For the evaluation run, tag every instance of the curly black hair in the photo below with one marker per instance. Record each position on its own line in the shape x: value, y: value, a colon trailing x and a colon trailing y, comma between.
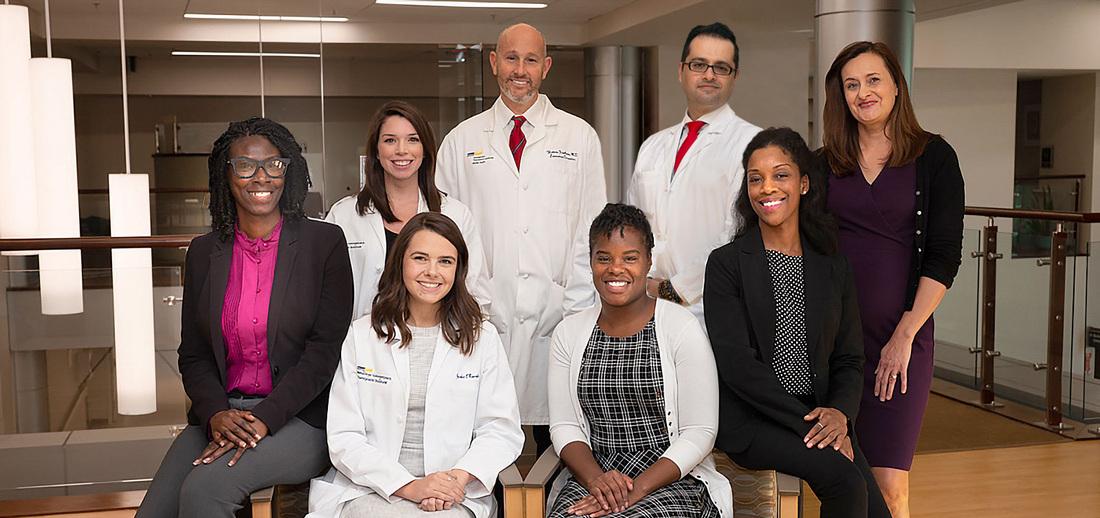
x: 618, y: 216
x: 223, y: 209
x: 815, y: 224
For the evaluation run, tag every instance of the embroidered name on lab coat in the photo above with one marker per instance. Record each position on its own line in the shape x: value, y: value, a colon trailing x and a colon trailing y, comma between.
x: 564, y: 155
x: 478, y: 157
x: 467, y: 376
x: 366, y: 374
x: 355, y: 245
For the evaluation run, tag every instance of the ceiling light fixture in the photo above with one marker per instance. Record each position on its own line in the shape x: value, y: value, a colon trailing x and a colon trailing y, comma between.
x: 243, y: 54
x: 457, y: 3
x: 266, y: 18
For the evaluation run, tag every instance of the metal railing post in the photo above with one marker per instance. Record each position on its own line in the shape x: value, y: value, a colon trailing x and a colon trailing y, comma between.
x: 1055, y: 328
x: 987, y: 349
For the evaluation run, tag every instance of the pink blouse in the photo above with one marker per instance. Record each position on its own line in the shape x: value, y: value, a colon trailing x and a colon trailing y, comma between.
x: 244, y: 314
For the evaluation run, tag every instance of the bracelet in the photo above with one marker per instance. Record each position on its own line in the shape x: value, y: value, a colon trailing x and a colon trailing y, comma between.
x: 665, y: 291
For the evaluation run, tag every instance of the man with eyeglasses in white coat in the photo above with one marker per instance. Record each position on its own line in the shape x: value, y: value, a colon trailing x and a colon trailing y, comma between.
x: 687, y: 177
x: 532, y: 175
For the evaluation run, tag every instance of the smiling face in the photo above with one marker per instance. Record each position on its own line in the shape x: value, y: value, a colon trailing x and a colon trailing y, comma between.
x: 399, y: 149
x: 775, y: 186
x: 256, y: 197
x: 707, y: 91
x: 619, y: 266
x: 520, y: 64
x: 429, y: 269
x: 869, y: 89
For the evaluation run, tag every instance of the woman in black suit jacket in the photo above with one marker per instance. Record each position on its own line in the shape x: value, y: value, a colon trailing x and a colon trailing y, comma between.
x: 267, y: 303
x: 782, y: 317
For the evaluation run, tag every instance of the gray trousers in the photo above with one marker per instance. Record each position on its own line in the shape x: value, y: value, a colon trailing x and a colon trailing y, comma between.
x: 297, y: 453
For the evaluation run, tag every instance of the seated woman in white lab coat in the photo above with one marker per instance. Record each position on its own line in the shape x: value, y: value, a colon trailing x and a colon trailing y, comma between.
x: 423, y: 413
x: 633, y: 392
x: 398, y: 183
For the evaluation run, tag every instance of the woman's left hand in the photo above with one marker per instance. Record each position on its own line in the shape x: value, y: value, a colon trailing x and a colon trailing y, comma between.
x: 830, y: 429
x: 588, y: 506
x: 892, y: 364
x: 434, y: 504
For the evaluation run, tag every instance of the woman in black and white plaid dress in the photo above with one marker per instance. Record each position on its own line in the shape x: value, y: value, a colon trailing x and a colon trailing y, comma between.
x: 633, y: 406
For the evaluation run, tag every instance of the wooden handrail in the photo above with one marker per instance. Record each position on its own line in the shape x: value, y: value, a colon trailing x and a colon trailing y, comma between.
x: 96, y: 242
x: 1049, y: 215
x: 154, y: 190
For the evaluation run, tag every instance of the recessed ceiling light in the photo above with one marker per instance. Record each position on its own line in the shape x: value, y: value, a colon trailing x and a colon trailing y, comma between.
x: 463, y: 3
x: 243, y: 54
x: 266, y: 18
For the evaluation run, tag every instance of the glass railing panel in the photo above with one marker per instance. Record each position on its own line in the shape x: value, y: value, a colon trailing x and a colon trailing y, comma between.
x: 62, y: 432
x: 957, y: 319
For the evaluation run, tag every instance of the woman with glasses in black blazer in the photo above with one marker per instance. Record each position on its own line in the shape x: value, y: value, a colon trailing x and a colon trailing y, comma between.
x: 266, y: 304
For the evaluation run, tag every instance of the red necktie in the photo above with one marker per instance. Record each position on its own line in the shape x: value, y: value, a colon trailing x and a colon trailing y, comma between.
x: 517, y: 140
x: 693, y: 133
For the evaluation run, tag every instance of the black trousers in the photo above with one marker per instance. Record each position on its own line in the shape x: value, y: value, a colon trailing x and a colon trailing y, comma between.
x: 847, y: 489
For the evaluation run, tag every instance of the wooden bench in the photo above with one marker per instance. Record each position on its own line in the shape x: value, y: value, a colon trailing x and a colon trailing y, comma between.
x: 118, y: 504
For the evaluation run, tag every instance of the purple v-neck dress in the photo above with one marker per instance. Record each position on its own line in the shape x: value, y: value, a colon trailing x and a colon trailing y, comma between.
x: 876, y: 224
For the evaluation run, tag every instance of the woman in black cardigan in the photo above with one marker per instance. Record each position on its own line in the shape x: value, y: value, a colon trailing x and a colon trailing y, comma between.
x: 897, y: 194
x: 267, y: 301
x: 782, y: 316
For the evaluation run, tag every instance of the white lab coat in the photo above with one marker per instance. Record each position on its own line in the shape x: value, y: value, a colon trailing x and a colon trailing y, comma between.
x: 694, y: 211
x: 366, y: 236
x: 471, y: 420
x: 534, y: 223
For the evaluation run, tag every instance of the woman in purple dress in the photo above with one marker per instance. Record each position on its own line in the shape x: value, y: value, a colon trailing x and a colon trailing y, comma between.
x: 897, y: 194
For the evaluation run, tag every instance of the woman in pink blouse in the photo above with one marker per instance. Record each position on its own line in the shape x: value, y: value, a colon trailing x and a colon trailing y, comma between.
x: 267, y: 303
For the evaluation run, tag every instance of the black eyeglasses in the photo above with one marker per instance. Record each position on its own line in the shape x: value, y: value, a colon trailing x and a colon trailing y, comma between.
x: 245, y: 167
x: 699, y: 67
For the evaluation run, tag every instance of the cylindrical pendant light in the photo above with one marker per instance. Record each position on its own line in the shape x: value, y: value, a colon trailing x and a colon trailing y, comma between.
x: 132, y: 278
x: 18, y: 207
x: 132, y: 275
x: 62, y: 285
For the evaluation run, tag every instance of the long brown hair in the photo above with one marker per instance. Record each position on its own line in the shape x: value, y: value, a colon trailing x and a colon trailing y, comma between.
x: 459, y: 314
x: 374, y: 189
x: 840, y: 134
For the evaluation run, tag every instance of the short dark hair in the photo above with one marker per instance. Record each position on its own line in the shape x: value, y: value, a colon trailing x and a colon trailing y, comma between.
x: 460, y: 316
x: 619, y: 216
x: 818, y: 227
x: 223, y: 208
x: 715, y: 30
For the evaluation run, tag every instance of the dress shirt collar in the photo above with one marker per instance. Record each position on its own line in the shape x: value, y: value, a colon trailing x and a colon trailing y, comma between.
x: 718, y: 117
x: 260, y: 244
x: 535, y: 115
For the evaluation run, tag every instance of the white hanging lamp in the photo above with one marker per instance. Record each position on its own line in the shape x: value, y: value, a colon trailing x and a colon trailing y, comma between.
x: 132, y: 276
x: 18, y: 198
x: 62, y: 286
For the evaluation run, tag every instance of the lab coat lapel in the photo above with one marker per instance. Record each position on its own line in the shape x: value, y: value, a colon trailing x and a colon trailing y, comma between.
x: 498, y: 139
x: 443, y: 350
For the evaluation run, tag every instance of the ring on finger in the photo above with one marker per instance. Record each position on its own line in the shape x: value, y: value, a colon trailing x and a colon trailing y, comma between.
x: 819, y: 424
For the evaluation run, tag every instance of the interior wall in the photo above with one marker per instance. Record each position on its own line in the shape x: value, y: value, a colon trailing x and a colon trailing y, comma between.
x: 771, y: 88
x: 1068, y: 113
x: 975, y: 111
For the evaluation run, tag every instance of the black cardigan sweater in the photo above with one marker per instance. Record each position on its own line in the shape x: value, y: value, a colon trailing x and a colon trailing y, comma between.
x: 937, y: 244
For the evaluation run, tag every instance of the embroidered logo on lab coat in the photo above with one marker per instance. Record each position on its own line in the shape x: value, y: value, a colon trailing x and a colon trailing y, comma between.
x: 563, y: 155
x: 367, y: 374
x: 478, y: 157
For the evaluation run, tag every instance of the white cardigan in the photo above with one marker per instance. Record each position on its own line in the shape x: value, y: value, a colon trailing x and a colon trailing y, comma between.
x: 471, y: 419
x: 692, y: 408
